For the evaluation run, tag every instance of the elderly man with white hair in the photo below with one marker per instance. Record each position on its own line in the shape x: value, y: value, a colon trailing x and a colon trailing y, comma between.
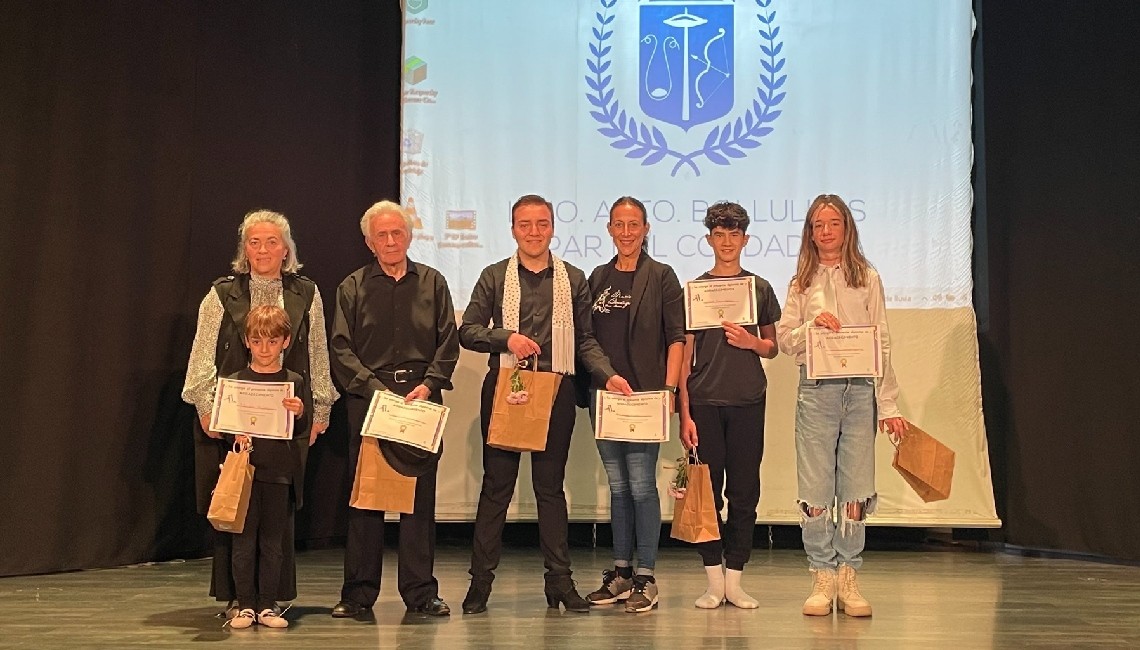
x: 394, y: 329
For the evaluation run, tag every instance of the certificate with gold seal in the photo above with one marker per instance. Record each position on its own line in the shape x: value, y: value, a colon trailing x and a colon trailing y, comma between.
x: 853, y: 351
x: 640, y: 417
x: 708, y: 303
x: 418, y: 423
x: 252, y: 408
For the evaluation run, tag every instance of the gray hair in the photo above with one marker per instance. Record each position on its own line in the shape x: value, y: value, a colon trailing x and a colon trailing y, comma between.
x: 385, y: 207
x: 241, y: 262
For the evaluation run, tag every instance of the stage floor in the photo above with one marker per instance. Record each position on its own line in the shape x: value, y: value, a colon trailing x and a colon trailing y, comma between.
x: 921, y: 600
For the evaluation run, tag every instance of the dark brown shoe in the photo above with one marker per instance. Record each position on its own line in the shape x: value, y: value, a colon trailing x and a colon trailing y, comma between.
x: 562, y: 590
x: 433, y: 607
x: 347, y: 609
x: 475, y: 602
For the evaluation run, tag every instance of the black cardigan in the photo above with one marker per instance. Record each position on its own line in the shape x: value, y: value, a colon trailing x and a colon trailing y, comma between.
x: 656, y: 321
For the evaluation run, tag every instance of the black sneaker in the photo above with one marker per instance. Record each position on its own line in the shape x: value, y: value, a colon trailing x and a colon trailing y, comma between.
x: 614, y: 588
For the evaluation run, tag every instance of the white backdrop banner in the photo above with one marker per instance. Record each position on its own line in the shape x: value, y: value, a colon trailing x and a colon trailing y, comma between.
x: 682, y: 104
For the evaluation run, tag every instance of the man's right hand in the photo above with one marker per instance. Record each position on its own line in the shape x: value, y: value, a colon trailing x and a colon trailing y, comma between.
x: 205, y: 420
x: 522, y: 346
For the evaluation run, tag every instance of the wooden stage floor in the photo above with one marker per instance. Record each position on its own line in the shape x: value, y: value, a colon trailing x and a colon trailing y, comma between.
x: 921, y: 600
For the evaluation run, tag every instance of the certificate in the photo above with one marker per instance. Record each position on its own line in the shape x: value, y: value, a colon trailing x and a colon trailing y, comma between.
x: 641, y: 417
x: 710, y: 302
x: 853, y: 351
x: 252, y: 408
x: 418, y: 423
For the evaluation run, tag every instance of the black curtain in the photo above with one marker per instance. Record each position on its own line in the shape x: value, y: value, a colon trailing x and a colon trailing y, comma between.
x: 1059, y: 350
x: 133, y: 138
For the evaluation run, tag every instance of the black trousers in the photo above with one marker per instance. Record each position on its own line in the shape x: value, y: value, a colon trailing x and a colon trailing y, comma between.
x: 731, y: 443
x: 501, y: 471
x: 364, y: 546
x: 258, y: 553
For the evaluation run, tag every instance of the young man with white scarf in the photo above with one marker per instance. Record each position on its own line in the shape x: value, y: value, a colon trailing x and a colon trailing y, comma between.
x: 531, y: 304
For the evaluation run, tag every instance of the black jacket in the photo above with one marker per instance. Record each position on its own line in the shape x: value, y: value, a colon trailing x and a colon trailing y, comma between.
x: 656, y: 320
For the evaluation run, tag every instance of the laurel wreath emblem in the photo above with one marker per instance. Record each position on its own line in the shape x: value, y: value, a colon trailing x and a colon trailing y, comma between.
x: 724, y: 142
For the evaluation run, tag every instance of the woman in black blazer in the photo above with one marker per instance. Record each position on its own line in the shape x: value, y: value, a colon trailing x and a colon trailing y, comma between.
x: 639, y: 320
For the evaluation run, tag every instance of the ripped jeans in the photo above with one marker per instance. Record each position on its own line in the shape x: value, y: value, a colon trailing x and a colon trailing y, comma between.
x: 835, y: 463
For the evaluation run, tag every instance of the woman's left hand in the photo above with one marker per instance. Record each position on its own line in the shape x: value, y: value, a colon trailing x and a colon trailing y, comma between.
x: 294, y: 405
x: 316, y: 431
x: 896, y: 428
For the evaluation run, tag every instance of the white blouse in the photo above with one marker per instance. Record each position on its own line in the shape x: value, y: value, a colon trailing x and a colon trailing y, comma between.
x: 852, y: 306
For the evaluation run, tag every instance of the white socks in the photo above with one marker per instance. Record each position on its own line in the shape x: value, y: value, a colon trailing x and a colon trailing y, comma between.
x: 714, y: 595
x: 735, y: 593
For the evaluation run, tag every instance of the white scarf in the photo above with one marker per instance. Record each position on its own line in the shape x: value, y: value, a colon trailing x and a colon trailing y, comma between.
x: 562, y: 329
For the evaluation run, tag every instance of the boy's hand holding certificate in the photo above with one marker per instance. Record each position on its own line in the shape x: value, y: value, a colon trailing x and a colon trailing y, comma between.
x: 252, y: 408
x: 708, y: 303
x: 418, y: 423
x: 640, y: 417
x: 853, y: 351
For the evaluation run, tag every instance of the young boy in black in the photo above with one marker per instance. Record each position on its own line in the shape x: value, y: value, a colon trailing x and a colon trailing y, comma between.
x: 723, y: 391
x: 257, y: 551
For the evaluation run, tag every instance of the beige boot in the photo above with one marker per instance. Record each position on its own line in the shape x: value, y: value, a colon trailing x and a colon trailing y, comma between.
x: 851, y: 602
x: 822, y: 593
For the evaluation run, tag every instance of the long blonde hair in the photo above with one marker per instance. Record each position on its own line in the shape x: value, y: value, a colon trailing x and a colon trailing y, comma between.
x: 852, y: 260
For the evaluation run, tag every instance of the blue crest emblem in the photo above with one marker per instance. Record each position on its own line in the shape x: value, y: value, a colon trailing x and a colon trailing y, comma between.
x: 685, y: 69
x: 686, y: 79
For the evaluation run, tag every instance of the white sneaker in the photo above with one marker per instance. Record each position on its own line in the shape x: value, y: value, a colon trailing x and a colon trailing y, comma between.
x: 851, y: 602
x: 822, y: 593
x: 243, y: 619
x: 271, y: 618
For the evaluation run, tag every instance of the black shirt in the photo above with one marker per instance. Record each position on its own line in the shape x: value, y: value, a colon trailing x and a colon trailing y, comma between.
x: 725, y: 375
x: 482, y: 329
x: 274, y: 461
x: 382, y: 324
x: 611, y: 310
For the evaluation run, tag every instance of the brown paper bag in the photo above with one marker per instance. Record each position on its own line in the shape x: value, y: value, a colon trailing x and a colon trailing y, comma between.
x: 694, y: 517
x: 379, y: 487
x: 523, y: 427
x: 926, y: 464
x: 230, y: 500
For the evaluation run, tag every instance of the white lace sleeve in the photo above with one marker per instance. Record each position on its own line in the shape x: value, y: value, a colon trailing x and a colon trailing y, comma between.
x: 324, y: 393
x: 202, y: 371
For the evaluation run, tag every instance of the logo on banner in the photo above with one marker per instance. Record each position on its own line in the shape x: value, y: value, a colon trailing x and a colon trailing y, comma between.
x: 412, y: 142
x: 686, y: 81
x: 416, y: 6
x: 461, y: 230
x: 415, y: 70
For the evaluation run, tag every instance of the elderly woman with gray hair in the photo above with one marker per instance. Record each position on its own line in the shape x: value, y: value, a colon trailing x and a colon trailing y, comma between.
x: 265, y: 273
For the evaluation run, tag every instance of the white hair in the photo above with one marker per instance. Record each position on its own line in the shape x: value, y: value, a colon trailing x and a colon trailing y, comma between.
x: 241, y: 262
x: 385, y: 207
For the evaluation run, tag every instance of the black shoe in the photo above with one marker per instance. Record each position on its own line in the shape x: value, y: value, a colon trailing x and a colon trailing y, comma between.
x: 563, y: 590
x: 475, y: 602
x: 433, y: 607
x: 347, y: 609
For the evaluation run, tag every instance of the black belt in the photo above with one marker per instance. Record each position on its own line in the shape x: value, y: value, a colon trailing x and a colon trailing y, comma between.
x: 402, y: 376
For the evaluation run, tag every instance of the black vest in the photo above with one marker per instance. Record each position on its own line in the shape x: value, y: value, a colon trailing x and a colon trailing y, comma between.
x: 231, y: 354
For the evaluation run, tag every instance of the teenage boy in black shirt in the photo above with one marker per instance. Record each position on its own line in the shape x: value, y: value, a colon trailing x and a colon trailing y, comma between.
x: 722, y: 409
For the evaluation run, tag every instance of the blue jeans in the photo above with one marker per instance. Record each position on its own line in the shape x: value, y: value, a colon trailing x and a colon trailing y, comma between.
x: 835, y: 461
x: 635, y: 507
